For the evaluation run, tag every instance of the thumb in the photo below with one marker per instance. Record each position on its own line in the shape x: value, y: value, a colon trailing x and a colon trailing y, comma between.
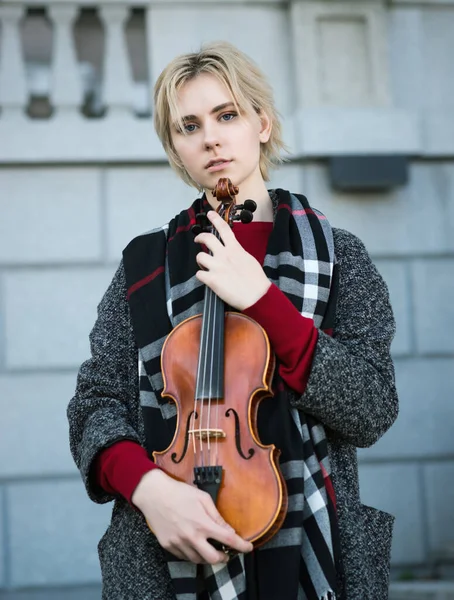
x: 213, y: 512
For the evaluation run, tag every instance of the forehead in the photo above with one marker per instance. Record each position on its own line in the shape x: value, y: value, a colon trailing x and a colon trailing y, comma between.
x: 201, y: 94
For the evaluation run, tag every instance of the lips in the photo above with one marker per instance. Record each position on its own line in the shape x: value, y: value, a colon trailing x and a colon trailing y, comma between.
x: 217, y: 165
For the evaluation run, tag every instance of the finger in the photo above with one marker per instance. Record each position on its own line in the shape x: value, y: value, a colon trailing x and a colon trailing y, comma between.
x: 191, y: 554
x: 209, y: 553
x: 185, y: 551
x: 230, y: 539
x: 204, y: 260
x: 176, y: 553
x: 209, y: 241
x: 223, y: 228
x: 226, y: 535
x: 205, y: 278
x: 215, y: 515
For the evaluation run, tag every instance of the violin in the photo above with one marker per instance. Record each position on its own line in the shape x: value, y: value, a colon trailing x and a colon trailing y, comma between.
x: 217, y: 368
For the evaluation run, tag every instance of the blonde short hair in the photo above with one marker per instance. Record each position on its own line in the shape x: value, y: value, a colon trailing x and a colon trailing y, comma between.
x: 244, y: 80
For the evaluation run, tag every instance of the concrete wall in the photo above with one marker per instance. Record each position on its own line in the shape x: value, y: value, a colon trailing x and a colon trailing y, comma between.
x: 62, y: 228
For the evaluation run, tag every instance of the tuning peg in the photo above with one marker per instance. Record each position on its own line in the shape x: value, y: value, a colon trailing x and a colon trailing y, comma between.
x: 201, y: 224
x: 245, y: 216
x: 249, y: 205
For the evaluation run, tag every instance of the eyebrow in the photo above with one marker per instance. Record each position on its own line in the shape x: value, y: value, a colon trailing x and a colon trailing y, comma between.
x: 213, y: 111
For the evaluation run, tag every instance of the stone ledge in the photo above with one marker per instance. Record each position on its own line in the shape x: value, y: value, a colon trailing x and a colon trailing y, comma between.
x: 437, y: 590
x: 74, y: 139
x: 74, y: 593
x: 423, y: 2
x: 331, y: 131
x: 310, y: 133
x: 422, y: 590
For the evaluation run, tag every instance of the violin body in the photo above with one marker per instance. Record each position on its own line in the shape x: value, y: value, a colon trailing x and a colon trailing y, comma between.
x: 252, y: 496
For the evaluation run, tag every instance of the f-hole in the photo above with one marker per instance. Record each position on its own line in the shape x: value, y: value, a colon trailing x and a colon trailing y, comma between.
x: 251, y: 451
x: 186, y: 440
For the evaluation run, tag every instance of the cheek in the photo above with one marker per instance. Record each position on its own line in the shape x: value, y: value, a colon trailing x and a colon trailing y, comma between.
x: 182, y: 148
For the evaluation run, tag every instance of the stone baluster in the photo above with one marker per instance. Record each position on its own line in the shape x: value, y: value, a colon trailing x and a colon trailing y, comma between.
x: 13, y: 84
x: 117, y: 77
x: 66, y: 92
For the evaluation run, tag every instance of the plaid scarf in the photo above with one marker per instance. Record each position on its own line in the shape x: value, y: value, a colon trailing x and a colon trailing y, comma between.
x: 301, y: 560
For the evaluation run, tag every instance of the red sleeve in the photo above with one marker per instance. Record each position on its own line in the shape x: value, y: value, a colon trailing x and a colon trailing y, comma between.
x: 292, y: 336
x: 119, y: 468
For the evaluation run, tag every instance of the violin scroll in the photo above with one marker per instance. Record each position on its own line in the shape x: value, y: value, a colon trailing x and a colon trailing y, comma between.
x: 225, y: 192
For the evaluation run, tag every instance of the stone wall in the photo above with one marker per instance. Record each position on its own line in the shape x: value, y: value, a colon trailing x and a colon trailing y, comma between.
x: 63, y: 226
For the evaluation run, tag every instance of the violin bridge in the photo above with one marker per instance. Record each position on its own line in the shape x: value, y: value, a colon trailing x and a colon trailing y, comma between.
x: 207, y: 434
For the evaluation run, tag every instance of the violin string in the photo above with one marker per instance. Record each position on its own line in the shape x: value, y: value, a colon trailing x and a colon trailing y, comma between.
x: 206, y: 325
x: 220, y: 357
x: 219, y: 307
x: 215, y: 303
x: 198, y: 402
x: 192, y: 427
x: 208, y: 370
x: 212, y: 321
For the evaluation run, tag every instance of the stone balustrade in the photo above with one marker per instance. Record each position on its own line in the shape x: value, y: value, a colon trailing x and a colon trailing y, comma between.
x: 336, y: 87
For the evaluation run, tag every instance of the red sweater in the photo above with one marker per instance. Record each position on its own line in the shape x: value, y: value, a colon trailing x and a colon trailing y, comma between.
x: 119, y: 468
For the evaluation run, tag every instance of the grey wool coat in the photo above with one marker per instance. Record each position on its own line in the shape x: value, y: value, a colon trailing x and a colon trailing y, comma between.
x: 351, y: 390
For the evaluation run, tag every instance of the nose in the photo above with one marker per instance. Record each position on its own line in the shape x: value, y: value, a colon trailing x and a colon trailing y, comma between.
x: 211, y: 137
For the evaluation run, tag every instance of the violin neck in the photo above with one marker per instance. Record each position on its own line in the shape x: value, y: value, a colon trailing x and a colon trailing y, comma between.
x: 210, y: 372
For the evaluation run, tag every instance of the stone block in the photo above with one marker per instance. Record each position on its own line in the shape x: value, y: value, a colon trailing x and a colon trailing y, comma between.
x: 193, y: 25
x: 35, y: 405
x: 394, y: 272
x: 2, y: 539
x: 140, y: 199
x: 407, y: 50
x: 328, y: 131
x: 438, y: 25
x: 289, y: 176
x: 49, y: 314
x: 433, y: 289
x: 394, y: 223
x: 92, y: 592
x: 324, y: 35
x: 49, y: 215
x: 439, y: 495
x: 438, y: 131
x: 424, y: 426
x: 54, y: 531
x: 395, y: 489
x: 421, y: 590
x: 448, y: 169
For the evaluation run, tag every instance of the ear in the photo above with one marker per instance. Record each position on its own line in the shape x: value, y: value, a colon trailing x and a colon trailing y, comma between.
x: 265, y: 126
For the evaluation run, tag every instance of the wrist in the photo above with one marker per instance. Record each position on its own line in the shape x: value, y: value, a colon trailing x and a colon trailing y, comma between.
x: 150, y: 483
x: 260, y: 292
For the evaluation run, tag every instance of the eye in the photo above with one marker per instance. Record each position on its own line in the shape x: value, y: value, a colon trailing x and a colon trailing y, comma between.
x: 229, y: 116
x: 190, y: 127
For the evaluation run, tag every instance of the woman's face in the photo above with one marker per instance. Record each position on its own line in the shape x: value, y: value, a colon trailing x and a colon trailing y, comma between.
x: 218, y: 142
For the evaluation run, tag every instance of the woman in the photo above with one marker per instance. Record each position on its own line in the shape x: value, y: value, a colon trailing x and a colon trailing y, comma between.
x: 326, y: 311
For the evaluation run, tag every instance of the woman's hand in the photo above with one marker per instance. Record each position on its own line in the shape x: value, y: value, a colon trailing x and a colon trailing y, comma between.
x: 232, y: 273
x: 183, y: 518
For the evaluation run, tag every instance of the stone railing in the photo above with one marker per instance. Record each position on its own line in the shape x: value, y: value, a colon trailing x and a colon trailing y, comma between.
x: 66, y: 134
x: 330, y: 105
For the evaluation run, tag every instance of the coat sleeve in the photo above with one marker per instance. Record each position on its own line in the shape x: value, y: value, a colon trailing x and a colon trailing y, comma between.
x: 105, y: 408
x: 351, y: 387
